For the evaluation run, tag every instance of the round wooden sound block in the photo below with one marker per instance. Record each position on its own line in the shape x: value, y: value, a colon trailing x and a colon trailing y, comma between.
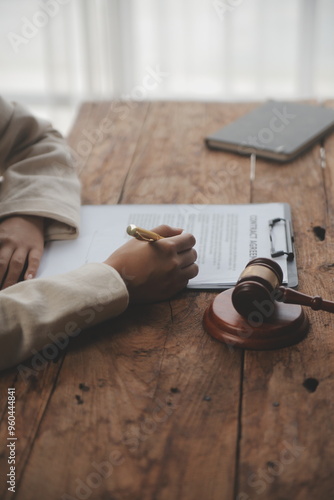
x: 287, y: 324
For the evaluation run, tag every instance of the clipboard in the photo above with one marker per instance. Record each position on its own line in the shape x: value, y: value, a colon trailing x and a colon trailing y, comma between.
x: 289, y: 250
x: 227, y: 238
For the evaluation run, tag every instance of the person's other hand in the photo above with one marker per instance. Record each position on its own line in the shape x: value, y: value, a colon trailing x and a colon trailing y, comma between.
x: 156, y: 271
x: 21, y: 248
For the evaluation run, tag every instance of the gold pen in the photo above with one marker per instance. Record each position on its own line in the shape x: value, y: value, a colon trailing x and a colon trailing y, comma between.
x: 143, y: 234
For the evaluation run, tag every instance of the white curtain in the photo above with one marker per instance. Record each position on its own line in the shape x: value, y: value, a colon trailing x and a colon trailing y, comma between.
x: 56, y: 53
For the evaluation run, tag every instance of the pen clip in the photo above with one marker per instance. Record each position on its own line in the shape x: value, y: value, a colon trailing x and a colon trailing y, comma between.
x: 288, y: 238
x: 142, y: 237
x: 143, y: 234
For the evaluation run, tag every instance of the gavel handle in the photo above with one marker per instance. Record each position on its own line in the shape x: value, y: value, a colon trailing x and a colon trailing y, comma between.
x: 291, y: 296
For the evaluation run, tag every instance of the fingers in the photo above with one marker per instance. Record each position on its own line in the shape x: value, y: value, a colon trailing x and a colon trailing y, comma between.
x: 187, y: 258
x: 182, y: 278
x: 5, y: 256
x: 183, y: 241
x: 13, y: 265
x: 167, y: 231
x: 15, y: 268
x: 182, y: 245
x: 191, y: 271
x: 178, y: 243
x: 34, y: 259
x: 21, y: 248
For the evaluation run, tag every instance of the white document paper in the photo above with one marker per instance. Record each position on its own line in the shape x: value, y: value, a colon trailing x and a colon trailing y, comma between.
x: 227, y: 237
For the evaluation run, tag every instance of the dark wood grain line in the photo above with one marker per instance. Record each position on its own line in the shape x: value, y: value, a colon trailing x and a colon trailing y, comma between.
x: 239, y: 429
x: 28, y: 418
x: 40, y: 422
x: 122, y: 190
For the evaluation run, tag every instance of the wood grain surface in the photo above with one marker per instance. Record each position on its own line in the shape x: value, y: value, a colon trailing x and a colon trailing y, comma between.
x: 148, y: 406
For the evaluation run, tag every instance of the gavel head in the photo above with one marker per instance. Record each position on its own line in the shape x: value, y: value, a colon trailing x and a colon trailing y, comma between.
x: 256, y: 284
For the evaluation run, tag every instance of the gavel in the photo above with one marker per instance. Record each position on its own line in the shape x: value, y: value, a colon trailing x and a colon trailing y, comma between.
x: 261, y: 283
x: 259, y: 313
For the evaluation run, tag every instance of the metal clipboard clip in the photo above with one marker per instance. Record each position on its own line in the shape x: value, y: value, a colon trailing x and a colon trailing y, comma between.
x: 288, y: 238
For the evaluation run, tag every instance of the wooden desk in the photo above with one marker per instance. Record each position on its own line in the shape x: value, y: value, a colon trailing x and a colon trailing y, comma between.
x: 148, y: 406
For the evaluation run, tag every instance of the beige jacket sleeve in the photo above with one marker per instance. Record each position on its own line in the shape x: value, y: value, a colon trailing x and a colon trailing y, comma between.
x: 38, y: 176
x: 39, y: 317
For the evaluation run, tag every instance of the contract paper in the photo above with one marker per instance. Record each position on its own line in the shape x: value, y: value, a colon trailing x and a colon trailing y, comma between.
x: 227, y: 237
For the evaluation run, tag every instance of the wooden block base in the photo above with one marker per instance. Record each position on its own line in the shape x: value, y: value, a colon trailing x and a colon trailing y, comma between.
x: 286, y: 325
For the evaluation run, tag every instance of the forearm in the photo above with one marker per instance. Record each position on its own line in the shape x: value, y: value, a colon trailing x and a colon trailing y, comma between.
x: 38, y: 175
x: 34, y: 313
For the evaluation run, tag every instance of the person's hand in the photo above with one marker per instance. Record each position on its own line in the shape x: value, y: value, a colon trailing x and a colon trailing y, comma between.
x: 156, y: 271
x: 21, y: 248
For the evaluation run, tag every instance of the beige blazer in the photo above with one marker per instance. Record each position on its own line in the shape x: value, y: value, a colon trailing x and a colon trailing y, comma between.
x: 38, y: 317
